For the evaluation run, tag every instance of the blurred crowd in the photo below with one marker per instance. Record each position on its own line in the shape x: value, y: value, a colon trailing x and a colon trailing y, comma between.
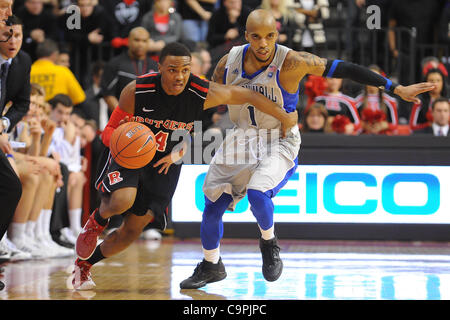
x: 82, y: 53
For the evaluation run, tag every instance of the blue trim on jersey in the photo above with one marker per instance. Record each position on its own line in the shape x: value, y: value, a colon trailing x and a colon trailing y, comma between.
x: 333, y: 67
x: 251, y: 76
x: 224, y: 80
x: 273, y: 192
x: 388, y: 84
x: 290, y: 100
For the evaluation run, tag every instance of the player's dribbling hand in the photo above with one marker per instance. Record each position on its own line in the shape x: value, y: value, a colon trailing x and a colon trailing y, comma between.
x: 165, y: 163
x: 124, y: 120
x: 291, y: 120
x: 409, y: 93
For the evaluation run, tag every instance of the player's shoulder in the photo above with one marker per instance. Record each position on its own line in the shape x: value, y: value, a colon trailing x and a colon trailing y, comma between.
x: 198, y: 85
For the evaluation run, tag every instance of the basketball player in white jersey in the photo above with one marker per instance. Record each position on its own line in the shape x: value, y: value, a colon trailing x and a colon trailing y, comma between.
x: 275, y: 71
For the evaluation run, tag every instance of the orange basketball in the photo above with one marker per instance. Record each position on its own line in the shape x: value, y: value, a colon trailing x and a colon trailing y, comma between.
x: 132, y: 145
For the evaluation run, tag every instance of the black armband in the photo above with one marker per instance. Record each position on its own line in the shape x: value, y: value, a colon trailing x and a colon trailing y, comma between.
x: 348, y: 70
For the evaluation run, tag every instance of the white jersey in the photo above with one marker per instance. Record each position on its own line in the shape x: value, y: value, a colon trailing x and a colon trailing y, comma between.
x: 265, y: 81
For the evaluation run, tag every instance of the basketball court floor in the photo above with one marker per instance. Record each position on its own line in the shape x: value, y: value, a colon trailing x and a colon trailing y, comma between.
x: 313, y: 270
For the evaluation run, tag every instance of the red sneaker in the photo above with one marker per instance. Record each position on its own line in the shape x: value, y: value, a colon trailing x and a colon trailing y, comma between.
x: 81, y: 276
x: 87, y: 239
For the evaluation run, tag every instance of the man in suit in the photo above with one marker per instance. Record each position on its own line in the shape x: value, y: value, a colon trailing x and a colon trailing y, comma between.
x: 10, y: 186
x: 440, y: 109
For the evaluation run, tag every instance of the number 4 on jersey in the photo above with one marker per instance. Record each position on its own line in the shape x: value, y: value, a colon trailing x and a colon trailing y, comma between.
x: 161, y: 140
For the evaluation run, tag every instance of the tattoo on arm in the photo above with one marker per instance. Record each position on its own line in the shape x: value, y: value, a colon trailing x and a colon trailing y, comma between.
x: 309, y: 63
x: 220, y: 70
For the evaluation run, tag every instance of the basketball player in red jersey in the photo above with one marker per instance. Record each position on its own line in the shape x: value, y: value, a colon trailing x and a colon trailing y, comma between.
x: 166, y: 101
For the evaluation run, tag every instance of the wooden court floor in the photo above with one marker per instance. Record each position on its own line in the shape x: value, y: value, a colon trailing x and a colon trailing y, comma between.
x: 313, y: 270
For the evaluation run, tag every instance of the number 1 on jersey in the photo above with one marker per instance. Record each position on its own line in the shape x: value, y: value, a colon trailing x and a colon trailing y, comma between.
x: 251, y: 111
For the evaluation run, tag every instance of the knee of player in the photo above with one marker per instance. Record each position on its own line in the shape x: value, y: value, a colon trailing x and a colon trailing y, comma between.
x: 121, y: 200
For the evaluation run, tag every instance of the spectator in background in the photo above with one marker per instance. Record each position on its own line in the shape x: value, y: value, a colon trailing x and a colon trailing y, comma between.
x: 206, y: 60
x: 343, y: 116
x: 309, y: 16
x: 53, y: 78
x: 444, y: 26
x: 441, y: 118
x: 421, y: 15
x: 64, y: 57
x: 197, y: 64
x: 163, y: 24
x: 283, y: 17
x: 421, y: 113
x: 96, y: 27
x: 196, y: 15
x: 126, y: 15
x: 227, y: 27
x: 95, y: 106
x: 314, y: 119
x: 65, y: 145
x: 121, y: 70
x: 38, y: 24
x: 377, y: 110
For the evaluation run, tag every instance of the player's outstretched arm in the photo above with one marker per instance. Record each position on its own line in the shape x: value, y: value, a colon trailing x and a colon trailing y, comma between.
x: 122, y: 113
x: 298, y: 64
x: 219, y: 94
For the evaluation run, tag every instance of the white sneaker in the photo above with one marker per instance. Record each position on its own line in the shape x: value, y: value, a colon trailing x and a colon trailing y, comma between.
x: 28, y: 244
x: 68, y: 236
x: 62, y: 251
x: 15, y: 253
x: 5, y: 253
x: 151, y: 234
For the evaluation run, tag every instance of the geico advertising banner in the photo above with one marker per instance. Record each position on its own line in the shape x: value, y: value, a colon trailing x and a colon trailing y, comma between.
x: 336, y: 194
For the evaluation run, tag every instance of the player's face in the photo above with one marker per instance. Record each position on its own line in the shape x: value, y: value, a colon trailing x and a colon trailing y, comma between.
x: 10, y: 48
x: 175, y: 73
x: 262, y: 42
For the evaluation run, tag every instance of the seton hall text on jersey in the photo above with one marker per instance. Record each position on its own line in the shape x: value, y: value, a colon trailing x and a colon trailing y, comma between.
x: 267, y: 92
x: 168, y: 124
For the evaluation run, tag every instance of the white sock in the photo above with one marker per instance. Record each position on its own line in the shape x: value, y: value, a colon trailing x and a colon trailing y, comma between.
x: 212, y: 255
x: 267, y: 234
x: 29, y: 229
x: 38, y: 227
x: 47, y: 218
x: 75, y: 220
x: 16, y: 232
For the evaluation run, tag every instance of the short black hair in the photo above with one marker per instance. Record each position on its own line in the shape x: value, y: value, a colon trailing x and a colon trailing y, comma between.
x: 46, y: 48
x: 438, y: 100
x: 14, y: 20
x: 174, y: 49
x: 62, y: 99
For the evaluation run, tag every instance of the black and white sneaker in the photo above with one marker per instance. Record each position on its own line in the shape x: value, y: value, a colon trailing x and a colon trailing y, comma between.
x: 158, y: 223
x: 272, y: 264
x: 205, y: 272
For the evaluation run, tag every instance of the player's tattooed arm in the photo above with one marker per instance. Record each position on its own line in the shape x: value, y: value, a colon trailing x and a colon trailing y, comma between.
x: 304, y: 63
x: 219, y: 71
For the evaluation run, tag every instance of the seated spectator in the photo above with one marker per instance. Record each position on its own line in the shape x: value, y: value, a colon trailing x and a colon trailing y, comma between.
x: 38, y: 24
x: 96, y: 28
x: 163, y: 24
x: 196, y: 15
x: 440, y: 110
x: 53, y: 78
x: 341, y: 107
x: 283, y: 17
x: 95, y: 107
x: 64, y: 58
x: 314, y: 119
x: 227, y: 25
x: 308, y: 17
x: 65, y: 145
x: 377, y: 110
x: 420, y: 117
x: 123, y: 69
x: 126, y: 15
x: 206, y: 62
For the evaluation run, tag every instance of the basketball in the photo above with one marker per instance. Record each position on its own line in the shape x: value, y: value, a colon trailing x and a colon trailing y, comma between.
x: 133, y: 145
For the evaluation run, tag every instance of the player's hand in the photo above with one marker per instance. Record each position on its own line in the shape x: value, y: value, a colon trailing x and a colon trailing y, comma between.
x: 4, y: 144
x: 409, y: 93
x: 125, y: 120
x: 291, y: 120
x: 165, y: 163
